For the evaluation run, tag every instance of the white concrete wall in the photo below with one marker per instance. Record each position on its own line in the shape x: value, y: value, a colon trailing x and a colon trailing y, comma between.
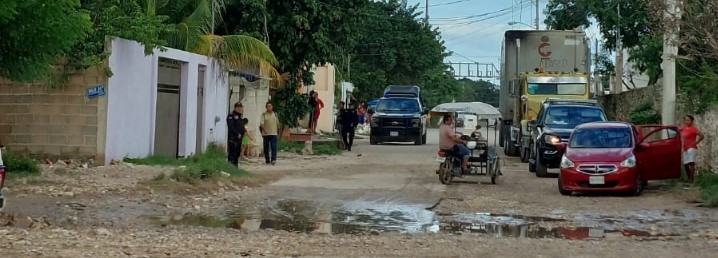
x: 131, y: 93
x: 324, y: 80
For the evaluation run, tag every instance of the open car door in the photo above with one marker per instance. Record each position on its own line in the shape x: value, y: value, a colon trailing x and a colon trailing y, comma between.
x: 662, y: 157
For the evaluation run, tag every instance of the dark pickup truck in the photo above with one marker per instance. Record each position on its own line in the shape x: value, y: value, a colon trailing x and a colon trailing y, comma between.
x: 400, y: 116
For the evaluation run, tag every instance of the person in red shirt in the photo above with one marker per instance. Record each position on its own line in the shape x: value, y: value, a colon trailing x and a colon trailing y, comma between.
x: 691, y: 138
x: 317, y: 109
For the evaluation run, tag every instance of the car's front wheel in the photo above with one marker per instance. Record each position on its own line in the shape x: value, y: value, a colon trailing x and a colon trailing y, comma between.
x: 640, y: 185
x: 562, y: 190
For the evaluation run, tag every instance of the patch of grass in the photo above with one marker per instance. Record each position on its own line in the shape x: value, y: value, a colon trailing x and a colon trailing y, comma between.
x: 207, y: 165
x: 155, y: 160
x: 290, y: 146
x: 707, y: 181
x: 318, y: 149
x: 20, y: 165
x: 326, y: 149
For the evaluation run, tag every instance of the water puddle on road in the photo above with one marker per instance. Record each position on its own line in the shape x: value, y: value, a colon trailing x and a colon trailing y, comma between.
x: 375, y: 217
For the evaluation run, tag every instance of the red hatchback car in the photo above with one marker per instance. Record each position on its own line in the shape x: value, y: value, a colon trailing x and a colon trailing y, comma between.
x: 618, y: 157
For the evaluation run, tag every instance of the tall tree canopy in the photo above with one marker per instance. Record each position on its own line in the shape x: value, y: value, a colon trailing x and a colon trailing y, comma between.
x: 34, y: 33
x: 481, y: 91
x: 395, y: 48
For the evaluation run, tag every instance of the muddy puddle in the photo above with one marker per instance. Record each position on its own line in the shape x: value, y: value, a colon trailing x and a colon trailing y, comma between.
x: 375, y: 217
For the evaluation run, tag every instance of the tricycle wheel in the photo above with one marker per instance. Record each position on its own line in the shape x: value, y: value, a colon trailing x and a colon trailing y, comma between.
x: 445, y: 174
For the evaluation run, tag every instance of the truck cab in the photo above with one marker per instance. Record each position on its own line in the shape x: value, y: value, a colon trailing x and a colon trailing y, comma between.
x: 399, y: 116
x: 554, y: 123
x: 530, y: 91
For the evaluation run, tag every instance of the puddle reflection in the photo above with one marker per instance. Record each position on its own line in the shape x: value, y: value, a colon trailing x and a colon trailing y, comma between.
x: 374, y: 217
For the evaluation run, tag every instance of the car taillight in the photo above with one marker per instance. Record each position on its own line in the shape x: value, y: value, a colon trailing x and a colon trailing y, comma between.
x: 2, y: 177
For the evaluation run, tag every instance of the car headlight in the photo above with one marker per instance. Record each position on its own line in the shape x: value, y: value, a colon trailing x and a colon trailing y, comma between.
x: 415, y: 122
x: 551, y: 139
x: 374, y: 122
x: 629, y: 162
x: 566, y: 163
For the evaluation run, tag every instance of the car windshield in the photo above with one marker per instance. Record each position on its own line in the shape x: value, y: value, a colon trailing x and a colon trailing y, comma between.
x: 569, y: 117
x: 617, y: 137
x: 398, y: 105
x: 557, y: 89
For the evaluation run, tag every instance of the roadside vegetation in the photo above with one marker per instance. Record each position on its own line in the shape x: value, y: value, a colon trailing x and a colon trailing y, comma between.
x: 317, y: 149
x: 707, y: 181
x: 20, y: 165
x: 210, y: 164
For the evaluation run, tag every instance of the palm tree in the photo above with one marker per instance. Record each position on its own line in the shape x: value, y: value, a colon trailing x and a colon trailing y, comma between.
x: 195, y: 33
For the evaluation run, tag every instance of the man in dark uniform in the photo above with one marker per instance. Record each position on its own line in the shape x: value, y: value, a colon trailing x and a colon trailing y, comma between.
x: 236, y: 131
x: 349, y: 121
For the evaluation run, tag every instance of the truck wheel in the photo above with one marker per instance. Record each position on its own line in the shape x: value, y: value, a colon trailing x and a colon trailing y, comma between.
x: 423, y: 139
x: 532, y: 155
x: 541, y: 169
x: 524, y: 154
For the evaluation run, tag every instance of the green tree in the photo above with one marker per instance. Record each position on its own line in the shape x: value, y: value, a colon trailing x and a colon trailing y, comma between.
x: 35, y: 33
x: 478, y: 91
x: 301, y: 33
x: 196, y: 21
x: 638, y: 34
x: 395, y: 48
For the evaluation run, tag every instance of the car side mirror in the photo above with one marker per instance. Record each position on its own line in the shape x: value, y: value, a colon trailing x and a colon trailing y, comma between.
x: 561, y: 146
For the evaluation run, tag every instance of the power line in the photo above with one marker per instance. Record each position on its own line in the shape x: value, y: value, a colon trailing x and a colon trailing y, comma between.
x: 504, y: 13
x: 449, y: 3
x: 459, y: 18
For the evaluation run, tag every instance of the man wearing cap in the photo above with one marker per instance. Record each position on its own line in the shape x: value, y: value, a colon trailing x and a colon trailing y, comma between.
x: 236, y: 130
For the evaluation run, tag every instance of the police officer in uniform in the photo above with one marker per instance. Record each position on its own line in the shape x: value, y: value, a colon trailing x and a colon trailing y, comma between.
x: 348, y: 121
x: 236, y: 131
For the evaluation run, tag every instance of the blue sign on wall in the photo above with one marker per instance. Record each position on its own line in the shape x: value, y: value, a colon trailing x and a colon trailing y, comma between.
x: 95, y: 91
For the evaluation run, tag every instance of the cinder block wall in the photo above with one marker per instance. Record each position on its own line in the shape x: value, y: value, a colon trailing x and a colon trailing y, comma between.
x: 50, y: 122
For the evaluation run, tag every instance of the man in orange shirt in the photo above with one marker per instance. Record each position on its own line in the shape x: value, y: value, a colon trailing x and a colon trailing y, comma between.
x: 691, y: 137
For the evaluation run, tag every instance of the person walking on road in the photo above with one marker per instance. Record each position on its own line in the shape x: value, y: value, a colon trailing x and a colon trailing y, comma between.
x: 348, y: 119
x: 236, y: 129
x: 691, y: 138
x: 268, y: 125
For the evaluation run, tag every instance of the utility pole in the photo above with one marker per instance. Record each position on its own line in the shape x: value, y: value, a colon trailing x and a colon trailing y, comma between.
x: 537, y: 15
x: 597, y: 82
x: 670, y: 50
x: 618, y: 83
x: 426, y: 12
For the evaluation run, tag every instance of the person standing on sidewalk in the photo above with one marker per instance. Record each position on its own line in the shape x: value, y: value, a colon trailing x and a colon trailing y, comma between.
x: 268, y: 125
x: 348, y: 120
x: 317, y: 108
x: 312, y: 105
x: 691, y: 138
x: 236, y: 129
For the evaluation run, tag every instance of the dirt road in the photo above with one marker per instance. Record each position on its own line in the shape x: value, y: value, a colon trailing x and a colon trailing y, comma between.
x: 377, y: 201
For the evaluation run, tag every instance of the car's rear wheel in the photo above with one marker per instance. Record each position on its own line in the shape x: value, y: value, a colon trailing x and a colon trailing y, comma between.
x: 418, y: 139
x: 524, y: 153
x: 372, y: 140
x: 423, y: 139
x: 562, y: 190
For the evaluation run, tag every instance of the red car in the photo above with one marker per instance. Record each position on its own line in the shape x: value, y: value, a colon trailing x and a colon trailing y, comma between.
x: 618, y: 157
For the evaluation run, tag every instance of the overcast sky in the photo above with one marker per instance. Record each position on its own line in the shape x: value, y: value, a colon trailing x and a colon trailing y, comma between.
x: 473, y: 29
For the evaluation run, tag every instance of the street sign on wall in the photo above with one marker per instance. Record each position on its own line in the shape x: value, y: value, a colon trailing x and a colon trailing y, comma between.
x: 95, y: 91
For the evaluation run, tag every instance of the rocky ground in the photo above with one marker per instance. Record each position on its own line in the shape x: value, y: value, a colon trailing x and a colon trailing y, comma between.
x: 378, y: 201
